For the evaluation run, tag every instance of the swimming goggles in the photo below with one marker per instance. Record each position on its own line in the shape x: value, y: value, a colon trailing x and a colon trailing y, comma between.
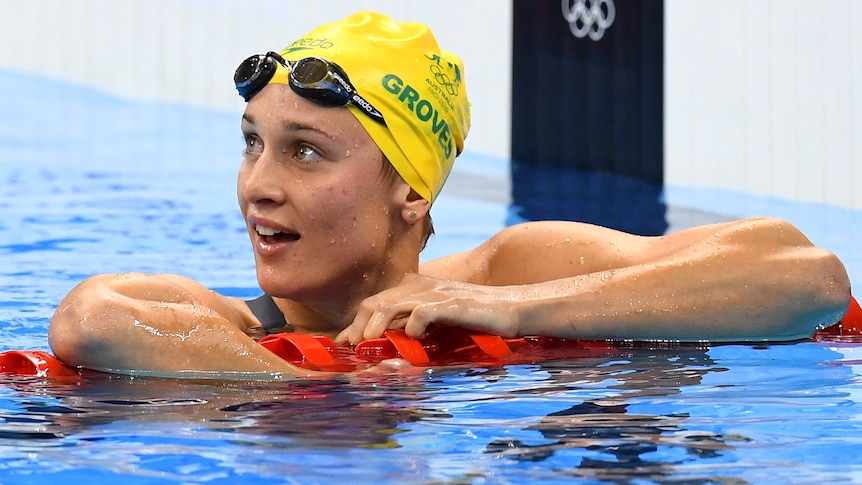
x: 312, y: 78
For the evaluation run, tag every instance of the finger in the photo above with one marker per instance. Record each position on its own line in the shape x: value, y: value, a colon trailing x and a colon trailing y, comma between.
x: 256, y: 332
x: 422, y: 317
x: 387, y: 316
x: 376, y: 314
x: 385, y: 310
x: 352, y: 334
x: 461, y: 314
x: 343, y: 337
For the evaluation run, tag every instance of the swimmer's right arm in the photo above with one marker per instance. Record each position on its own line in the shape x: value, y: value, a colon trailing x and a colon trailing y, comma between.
x: 158, y: 323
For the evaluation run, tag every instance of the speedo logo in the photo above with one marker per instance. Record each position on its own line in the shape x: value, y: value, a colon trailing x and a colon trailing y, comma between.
x: 308, y: 43
x: 422, y: 109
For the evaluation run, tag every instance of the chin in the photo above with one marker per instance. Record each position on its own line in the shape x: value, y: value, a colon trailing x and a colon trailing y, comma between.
x: 285, y: 284
x: 274, y: 282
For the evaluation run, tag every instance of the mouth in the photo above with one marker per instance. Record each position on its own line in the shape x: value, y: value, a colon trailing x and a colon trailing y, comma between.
x: 274, y: 236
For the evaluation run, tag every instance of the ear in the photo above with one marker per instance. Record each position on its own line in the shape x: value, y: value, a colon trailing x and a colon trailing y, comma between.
x: 414, y: 208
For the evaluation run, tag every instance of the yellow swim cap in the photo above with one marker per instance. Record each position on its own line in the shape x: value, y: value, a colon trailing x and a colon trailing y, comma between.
x: 399, y: 68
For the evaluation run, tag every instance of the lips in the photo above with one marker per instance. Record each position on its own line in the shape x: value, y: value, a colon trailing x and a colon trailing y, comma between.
x: 271, y: 235
x: 272, y: 238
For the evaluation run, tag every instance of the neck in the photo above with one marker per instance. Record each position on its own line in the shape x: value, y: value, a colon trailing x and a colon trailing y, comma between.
x: 330, y: 313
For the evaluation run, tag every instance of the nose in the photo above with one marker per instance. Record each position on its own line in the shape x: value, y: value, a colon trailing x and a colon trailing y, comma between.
x: 260, y: 181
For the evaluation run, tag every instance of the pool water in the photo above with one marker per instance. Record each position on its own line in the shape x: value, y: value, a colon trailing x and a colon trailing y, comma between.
x: 779, y: 414
x: 90, y: 183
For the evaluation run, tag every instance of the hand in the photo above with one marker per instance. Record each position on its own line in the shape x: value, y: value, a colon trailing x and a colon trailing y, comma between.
x: 256, y: 331
x: 419, y: 301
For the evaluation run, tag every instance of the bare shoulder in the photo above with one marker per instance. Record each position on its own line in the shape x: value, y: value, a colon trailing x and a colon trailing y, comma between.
x: 459, y: 267
x: 139, y: 290
x: 541, y: 251
x: 532, y: 252
x: 233, y: 309
x: 231, y: 306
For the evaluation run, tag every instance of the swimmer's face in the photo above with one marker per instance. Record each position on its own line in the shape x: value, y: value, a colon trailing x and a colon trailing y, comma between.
x: 320, y: 215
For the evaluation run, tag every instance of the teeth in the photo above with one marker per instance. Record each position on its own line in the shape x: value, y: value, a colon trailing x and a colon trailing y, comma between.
x: 265, y: 231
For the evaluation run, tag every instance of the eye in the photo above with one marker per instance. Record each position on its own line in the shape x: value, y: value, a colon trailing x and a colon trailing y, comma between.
x: 253, y: 144
x: 307, y: 154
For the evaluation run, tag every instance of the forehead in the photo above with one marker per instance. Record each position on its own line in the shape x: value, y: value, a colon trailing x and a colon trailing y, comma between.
x: 280, y: 105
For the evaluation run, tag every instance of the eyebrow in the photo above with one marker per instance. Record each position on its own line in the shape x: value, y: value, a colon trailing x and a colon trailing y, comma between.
x: 293, y: 126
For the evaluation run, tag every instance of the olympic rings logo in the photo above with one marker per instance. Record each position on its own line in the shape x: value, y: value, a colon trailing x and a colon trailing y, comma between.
x: 589, y: 17
x: 442, y: 77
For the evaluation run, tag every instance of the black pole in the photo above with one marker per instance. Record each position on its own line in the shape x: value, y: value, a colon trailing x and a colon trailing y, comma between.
x: 587, y: 127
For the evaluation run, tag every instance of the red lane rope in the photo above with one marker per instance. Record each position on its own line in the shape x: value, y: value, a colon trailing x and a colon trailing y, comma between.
x: 443, y: 346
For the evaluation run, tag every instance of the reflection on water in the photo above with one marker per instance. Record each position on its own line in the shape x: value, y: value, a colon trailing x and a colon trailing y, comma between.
x: 644, y: 414
x: 540, y: 193
x: 612, y: 440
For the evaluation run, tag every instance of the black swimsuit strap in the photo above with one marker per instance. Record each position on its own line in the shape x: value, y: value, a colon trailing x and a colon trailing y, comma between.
x: 270, y: 316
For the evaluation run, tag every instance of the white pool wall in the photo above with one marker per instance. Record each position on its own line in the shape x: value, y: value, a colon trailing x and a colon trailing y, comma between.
x: 187, y: 50
x: 765, y: 97
x: 761, y: 97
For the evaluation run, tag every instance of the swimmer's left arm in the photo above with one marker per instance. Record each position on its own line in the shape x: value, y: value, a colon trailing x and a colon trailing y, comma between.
x: 751, y: 280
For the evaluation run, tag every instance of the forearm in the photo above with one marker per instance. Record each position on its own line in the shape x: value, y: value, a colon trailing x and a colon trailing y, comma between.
x: 127, y: 323
x: 732, y: 287
x: 628, y: 307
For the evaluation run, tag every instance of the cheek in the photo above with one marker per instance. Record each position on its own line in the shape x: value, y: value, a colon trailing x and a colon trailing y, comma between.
x: 358, y: 207
x: 239, y: 198
x: 329, y: 210
x: 340, y: 204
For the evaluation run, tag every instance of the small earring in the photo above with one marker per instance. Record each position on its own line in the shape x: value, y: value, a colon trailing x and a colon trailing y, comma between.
x: 411, y: 214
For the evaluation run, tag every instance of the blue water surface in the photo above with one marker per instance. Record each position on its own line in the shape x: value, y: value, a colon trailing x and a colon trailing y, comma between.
x: 91, y: 183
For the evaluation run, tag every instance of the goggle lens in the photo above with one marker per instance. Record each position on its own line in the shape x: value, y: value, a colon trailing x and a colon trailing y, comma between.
x: 313, y: 78
x: 253, y: 74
